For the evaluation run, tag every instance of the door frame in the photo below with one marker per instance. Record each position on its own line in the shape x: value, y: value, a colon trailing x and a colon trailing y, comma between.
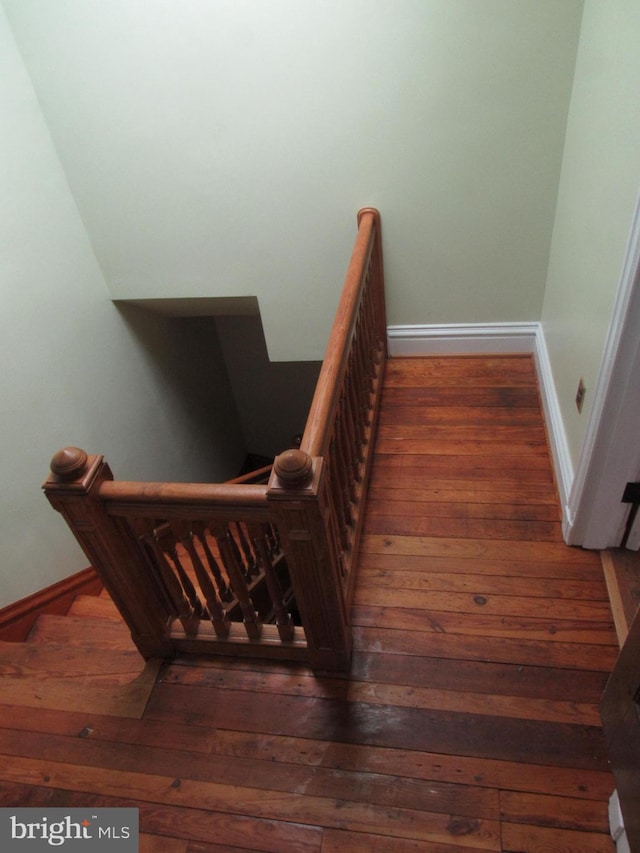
x: 610, y: 454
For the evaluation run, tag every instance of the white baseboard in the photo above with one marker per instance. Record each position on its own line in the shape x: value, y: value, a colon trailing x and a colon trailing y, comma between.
x: 462, y: 339
x: 562, y: 462
x: 616, y: 825
x: 498, y: 338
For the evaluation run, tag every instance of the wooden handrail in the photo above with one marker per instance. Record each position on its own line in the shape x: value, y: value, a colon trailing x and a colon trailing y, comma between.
x: 334, y: 365
x: 184, y: 498
x: 205, y: 567
x: 260, y: 475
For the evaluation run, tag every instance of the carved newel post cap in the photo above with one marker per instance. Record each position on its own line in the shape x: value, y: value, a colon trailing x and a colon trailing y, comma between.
x: 293, y: 467
x: 69, y: 463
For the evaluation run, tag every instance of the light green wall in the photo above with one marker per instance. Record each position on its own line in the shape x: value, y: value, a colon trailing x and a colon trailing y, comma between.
x: 273, y: 398
x: 598, y: 188
x: 74, y: 369
x: 223, y: 147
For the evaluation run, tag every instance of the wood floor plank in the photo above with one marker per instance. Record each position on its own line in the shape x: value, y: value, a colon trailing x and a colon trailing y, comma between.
x: 265, y: 804
x: 572, y: 656
x: 502, y: 605
x: 582, y: 590
x: 468, y: 472
x: 498, y: 679
x: 443, y: 491
x: 380, y: 789
x: 343, y: 841
x: 514, y: 566
x: 489, y: 397
x: 460, y: 415
x: 473, y: 528
x: 196, y: 825
x: 471, y: 548
x: 479, y: 688
x: 485, y: 624
x: 503, y: 706
x: 494, y: 369
x: 495, y: 450
x: 528, y: 435
x: 100, y: 727
x: 161, y: 844
x: 463, y: 770
x: 390, y: 508
x: 564, y: 813
x: 518, y: 838
x: 389, y: 726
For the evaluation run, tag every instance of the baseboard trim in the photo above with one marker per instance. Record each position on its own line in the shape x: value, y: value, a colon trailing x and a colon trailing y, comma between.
x: 462, y: 339
x: 17, y: 619
x: 562, y: 462
x: 499, y: 338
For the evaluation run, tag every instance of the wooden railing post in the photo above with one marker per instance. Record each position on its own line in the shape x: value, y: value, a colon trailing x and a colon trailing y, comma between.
x: 298, y: 495
x: 73, y: 489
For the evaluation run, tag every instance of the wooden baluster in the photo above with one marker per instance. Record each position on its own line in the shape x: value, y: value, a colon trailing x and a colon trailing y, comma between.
x: 167, y: 541
x: 219, y: 619
x: 336, y: 503
x: 341, y: 471
x: 348, y: 447
x: 259, y: 536
x: 185, y: 611
x: 370, y: 368
x: 359, y: 393
x: 238, y: 556
x: 224, y: 591
x: 229, y: 551
x: 250, y: 562
x: 353, y: 427
x: 273, y: 540
x: 182, y: 608
x: 369, y: 307
x: 363, y: 376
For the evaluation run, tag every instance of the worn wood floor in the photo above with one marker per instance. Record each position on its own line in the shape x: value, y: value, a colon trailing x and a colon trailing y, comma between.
x: 470, y: 720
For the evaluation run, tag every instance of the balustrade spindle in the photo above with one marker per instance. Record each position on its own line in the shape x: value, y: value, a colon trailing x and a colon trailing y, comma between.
x: 166, y: 538
x: 229, y: 553
x: 273, y: 540
x: 249, y: 562
x: 200, y: 531
x: 259, y: 536
x: 355, y: 443
x: 219, y: 619
x: 342, y: 473
x: 175, y: 592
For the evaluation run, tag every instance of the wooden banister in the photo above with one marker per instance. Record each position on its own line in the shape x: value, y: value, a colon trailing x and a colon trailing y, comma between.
x: 206, y: 568
x: 364, y: 281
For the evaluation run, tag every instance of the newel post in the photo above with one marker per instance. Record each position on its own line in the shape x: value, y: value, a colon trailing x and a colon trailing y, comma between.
x: 73, y: 489
x: 299, y: 500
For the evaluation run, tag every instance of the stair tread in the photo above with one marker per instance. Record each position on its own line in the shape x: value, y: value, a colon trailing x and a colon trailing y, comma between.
x: 96, y: 607
x: 73, y: 630
x: 92, y: 680
x: 61, y: 660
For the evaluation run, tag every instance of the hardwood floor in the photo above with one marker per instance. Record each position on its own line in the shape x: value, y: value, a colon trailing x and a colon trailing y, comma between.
x: 469, y: 723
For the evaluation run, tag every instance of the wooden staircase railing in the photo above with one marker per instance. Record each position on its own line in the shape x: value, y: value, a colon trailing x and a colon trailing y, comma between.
x: 250, y: 569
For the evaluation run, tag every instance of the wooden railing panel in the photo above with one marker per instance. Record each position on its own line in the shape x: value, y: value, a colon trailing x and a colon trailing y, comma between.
x: 188, y: 564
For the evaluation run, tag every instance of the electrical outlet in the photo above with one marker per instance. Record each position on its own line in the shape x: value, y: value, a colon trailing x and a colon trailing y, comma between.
x: 580, y: 394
